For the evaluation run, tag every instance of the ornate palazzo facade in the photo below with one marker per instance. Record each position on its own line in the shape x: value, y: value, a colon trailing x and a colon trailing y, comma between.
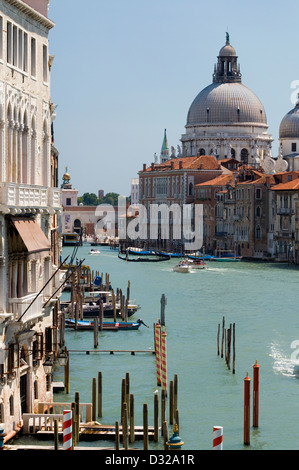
x: 29, y: 209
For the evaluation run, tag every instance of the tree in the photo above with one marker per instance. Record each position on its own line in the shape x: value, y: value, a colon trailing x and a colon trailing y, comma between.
x: 88, y: 199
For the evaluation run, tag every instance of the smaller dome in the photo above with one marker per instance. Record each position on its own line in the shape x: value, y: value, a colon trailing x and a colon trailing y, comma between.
x: 227, y: 50
x: 289, y: 126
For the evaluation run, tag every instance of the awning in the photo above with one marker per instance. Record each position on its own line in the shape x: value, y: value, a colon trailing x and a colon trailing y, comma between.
x: 33, y: 237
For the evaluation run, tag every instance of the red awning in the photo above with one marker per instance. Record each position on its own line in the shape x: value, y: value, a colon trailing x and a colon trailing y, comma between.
x: 33, y: 237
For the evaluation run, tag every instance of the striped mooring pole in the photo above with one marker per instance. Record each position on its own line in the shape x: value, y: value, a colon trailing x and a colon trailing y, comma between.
x: 164, y: 360
x: 67, y: 430
x: 158, y: 351
x: 217, y: 438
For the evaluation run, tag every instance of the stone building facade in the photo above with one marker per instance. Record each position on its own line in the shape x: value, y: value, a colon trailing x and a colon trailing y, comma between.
x: 29, y: 209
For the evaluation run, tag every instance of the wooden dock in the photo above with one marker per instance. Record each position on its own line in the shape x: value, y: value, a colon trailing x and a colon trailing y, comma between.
x: 102, y: 431
x: 90, y: 432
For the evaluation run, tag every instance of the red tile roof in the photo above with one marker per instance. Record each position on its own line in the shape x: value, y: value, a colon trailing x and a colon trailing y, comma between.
x: 222, y: 180
x: 290, y: 185
x: 203, y: 162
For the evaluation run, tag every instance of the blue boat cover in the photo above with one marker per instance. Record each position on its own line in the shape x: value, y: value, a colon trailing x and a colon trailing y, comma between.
x: 97, y: 281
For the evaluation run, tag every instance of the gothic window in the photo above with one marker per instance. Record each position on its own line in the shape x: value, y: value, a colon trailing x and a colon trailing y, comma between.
x: 33, y: 152
x: 258, y: 211
x: 258, y: 233
x: 35, y: 389
x: 202, y: 152
x: 11, y: 405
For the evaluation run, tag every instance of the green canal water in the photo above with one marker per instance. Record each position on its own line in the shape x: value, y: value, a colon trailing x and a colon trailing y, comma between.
x: 260, y: 298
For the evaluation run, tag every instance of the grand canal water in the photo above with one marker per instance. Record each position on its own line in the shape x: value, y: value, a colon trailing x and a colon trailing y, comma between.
x: 260, y: 298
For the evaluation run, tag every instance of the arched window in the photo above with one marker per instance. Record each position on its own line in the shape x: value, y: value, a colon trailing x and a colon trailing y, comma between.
x: 77, y: 226
x: 45, y: 155
x: 11, y: 405
x: 24, y: 156
x: 258, y: 233
x: 33, y: 163
x: 190, y: 189
x: 244, y: 155
x: 35, y: 389
x: 202, y: 152
x: 258, y: 211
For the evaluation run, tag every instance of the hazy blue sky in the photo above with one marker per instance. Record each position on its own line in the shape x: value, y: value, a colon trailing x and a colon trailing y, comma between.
x: 125, y: 70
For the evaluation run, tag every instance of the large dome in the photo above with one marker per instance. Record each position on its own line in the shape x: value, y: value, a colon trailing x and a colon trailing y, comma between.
x: 226, y: 103
x: 289, y: 126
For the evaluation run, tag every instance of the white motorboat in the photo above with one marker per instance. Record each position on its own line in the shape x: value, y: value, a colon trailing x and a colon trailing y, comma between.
x: 182, y: 267
x: 94, y: 252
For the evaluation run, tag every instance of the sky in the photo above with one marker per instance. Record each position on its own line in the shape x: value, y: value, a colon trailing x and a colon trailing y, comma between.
x: 125, y: 70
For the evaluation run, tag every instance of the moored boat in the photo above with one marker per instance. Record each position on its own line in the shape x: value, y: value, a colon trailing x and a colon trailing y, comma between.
x: 92, y: 309
x: 114, y: 326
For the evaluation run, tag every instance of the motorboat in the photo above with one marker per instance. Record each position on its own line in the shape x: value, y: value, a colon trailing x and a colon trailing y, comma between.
x: 197, y: 264
x: 92, y: 251
x: 182, y: 267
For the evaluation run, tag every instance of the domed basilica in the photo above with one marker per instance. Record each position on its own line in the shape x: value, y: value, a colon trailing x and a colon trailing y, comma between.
x: 226, y: 119
x: 289, y: 138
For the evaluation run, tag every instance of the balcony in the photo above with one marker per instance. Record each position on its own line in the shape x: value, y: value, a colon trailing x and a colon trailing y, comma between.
x: 286, y: 234
x: 18, y: 307
x: 220, y: 234
x: 285, y: 211
x: 15, y: 196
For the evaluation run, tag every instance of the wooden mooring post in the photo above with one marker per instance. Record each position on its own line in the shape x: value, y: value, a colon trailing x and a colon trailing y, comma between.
x: 228, y: 344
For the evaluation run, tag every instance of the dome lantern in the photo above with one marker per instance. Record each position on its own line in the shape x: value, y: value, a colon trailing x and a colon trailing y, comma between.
x: 227, y: 69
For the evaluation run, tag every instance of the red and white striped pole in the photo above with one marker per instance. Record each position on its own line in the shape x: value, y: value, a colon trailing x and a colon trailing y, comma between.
x: 164, y: 361
x: 217, y: 438
x: 158, y: 352
x: 67, y: 430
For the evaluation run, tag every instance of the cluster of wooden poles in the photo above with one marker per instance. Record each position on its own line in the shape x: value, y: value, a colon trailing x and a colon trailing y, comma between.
x: 228, y: 339
x: 77, y: 297
x: 228, y: 342
x: 127, y: 429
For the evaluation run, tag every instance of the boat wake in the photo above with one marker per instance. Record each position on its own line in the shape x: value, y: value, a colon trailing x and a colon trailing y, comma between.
x: 282, y: 364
